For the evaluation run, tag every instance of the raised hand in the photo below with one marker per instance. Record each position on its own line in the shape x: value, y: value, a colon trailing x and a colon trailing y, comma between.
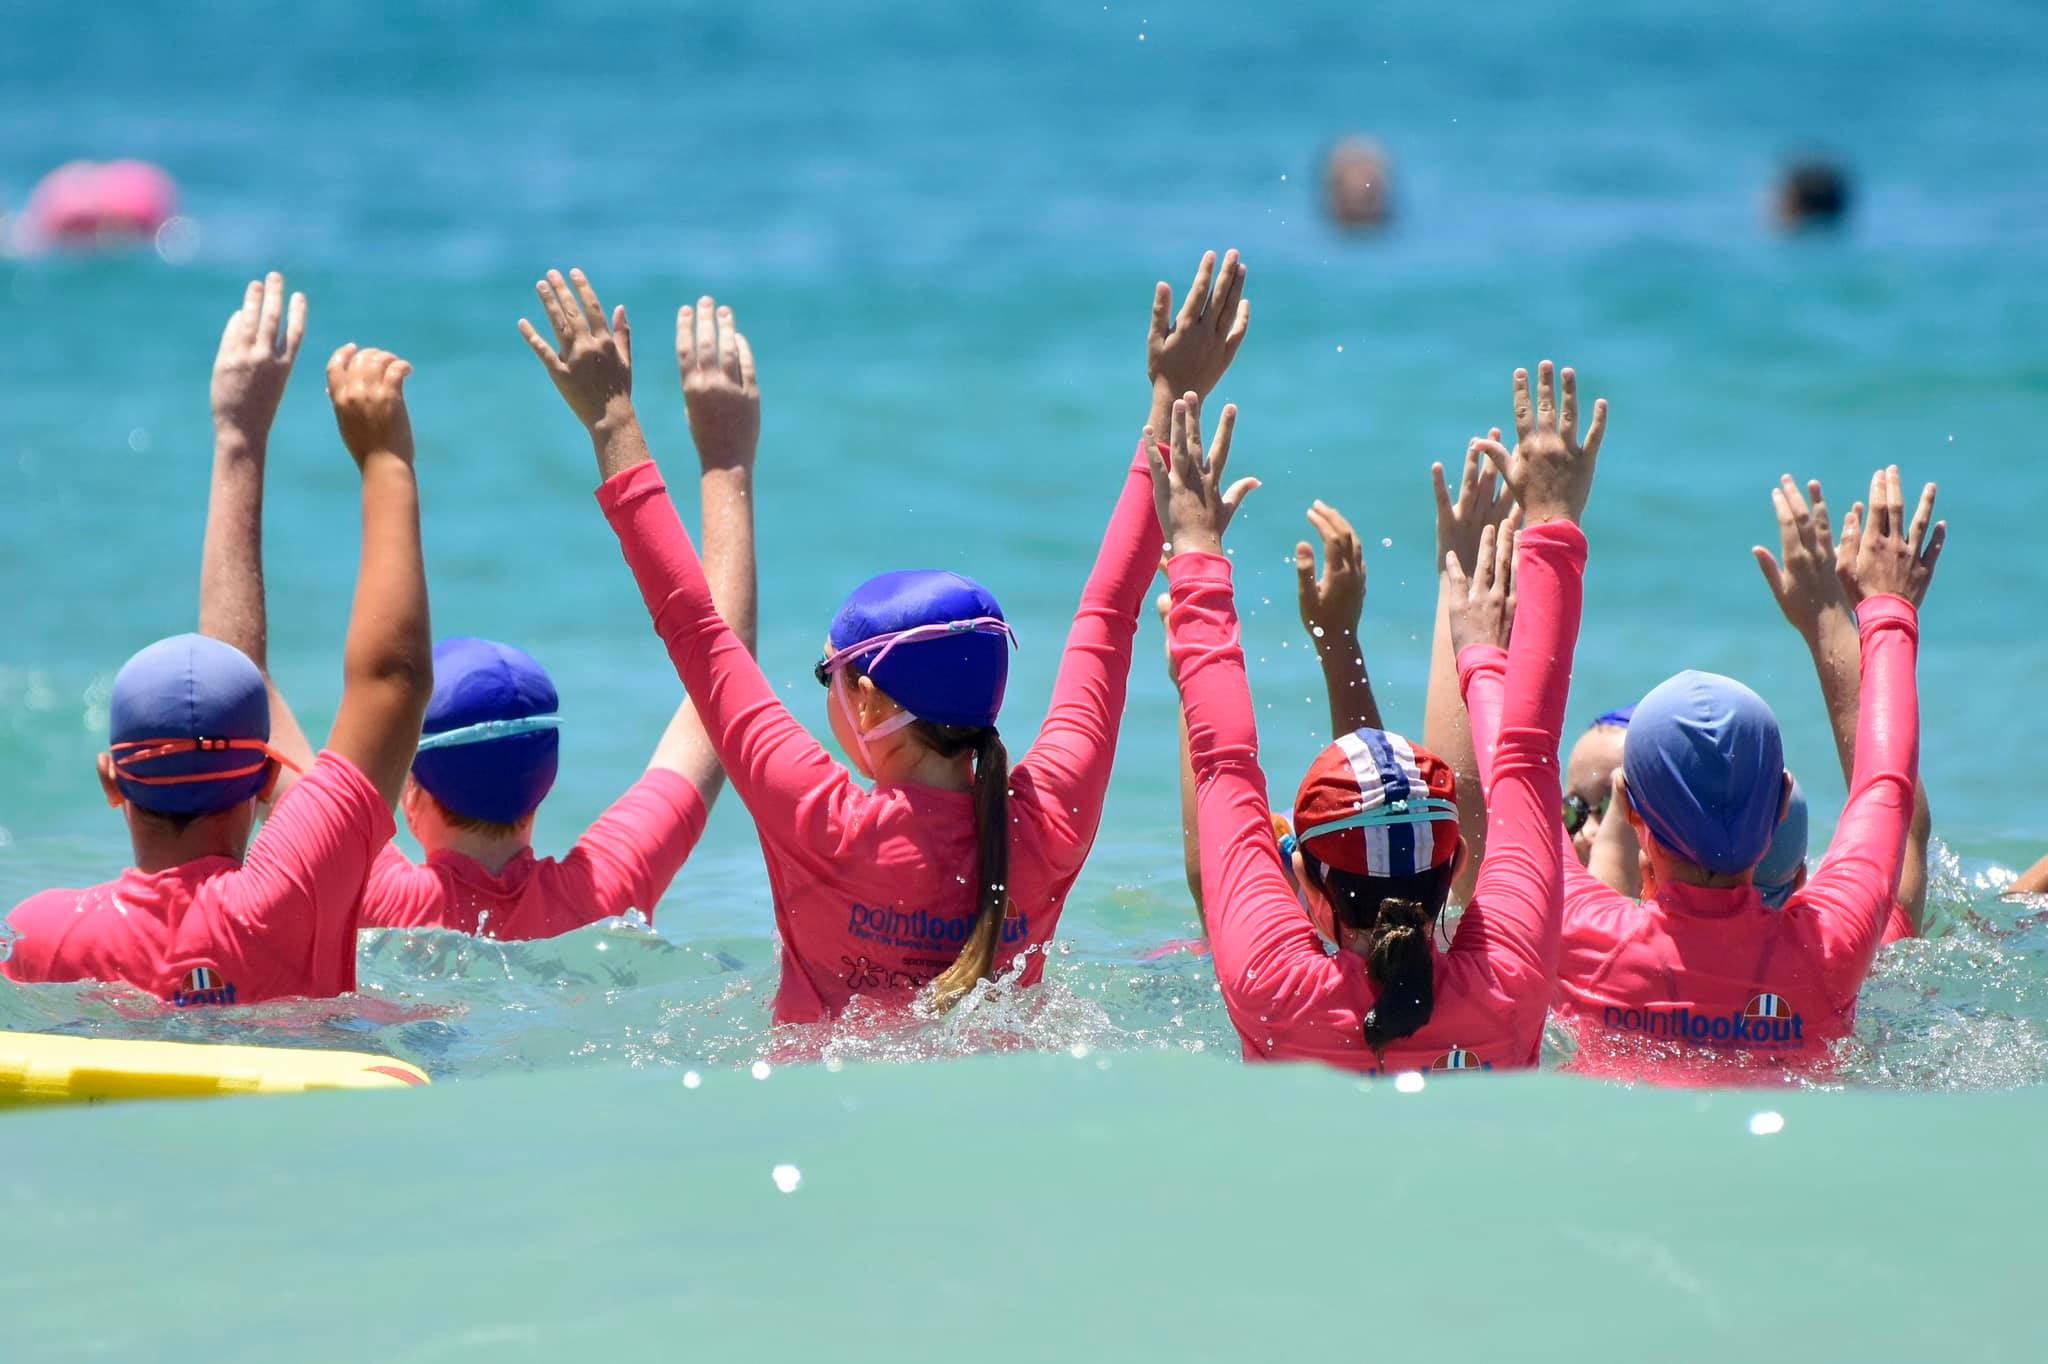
x: 593, y: 368
x: 1482, y: 607
x: 1551, y: 471
x: 367, y: 388
x: 1187, y: 485
x: 1481, y: 502
x: 1804, y: 584
x: 255, y: 361
x: 1191, y: 351
x: 1331, y: 604
x: 719, y: 388
x: 1879, y: 552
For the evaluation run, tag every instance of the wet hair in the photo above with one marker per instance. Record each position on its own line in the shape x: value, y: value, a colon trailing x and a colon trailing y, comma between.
x: 1397, y: 912
x: 1814, y: 192
x: 992, y: 830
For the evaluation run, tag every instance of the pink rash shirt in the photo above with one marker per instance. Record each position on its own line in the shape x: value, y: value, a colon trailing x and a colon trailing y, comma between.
x: 874, y: 890
x: 1696, y: 982
x: 281, y: 922
x: 1289, y: 997
x: 623, y: 861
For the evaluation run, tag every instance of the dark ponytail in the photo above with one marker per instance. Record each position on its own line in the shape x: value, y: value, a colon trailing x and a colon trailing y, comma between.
x: 1402, y: 972
x: 1398, y: 913
x: 992, y: 828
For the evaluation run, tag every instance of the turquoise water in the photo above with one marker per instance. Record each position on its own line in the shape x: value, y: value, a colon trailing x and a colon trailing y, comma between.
x: 939, y: 230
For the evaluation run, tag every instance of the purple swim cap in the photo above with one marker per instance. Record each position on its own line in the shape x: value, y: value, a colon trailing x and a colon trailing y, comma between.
x: 1706, y: 770
x: 951, y: 678
x: 171, y: 695
x: 489, y: 747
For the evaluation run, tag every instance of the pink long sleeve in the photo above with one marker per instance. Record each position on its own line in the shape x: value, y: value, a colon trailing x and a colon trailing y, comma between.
x: 1482, y: 678
x: 1517, y: 905
x: 789, y: 783
x: 1850, y: 896
x: 1275, y: 975
x: 1068, y: 767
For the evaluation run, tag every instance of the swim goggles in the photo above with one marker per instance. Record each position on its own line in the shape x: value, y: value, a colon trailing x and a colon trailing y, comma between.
x: 1576, y: 811
x: 1425, y: 810
x: 483, y: 731
x: 133, y: 751
x: 839, y: 658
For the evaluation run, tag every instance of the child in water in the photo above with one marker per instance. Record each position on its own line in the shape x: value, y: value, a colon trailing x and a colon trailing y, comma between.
x: 1704, y: 975
x: 205, y: 917
x: 955, y: 864
x: 1376, y: 818
x: 488, y: 756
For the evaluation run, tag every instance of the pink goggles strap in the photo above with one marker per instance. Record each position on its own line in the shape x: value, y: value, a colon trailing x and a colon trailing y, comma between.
x: 147, y: 750
x: 979, y: 625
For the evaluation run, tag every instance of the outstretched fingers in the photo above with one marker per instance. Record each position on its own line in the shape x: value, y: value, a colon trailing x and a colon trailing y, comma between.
x: 540, y: 346
x: 1162, y: 312
x: 1497, y: 455
x: 593, y: 311
x: 1546, y: 395
x: 551, y: 304
x: 1197, y: 300
x: 704, y: 349
x: 294, y: 327
x: 1229, y: 290
x: 1568, y: 410
x: 1525, y: 411
x: 728, y: 346
x: 1219, y: 447
x: 1597, y: 432
x: 269, y: 313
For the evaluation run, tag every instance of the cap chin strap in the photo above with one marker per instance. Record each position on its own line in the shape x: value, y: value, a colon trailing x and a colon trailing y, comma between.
x: 485, y: 730
x: 1424, y: 811
x: 902, y: 720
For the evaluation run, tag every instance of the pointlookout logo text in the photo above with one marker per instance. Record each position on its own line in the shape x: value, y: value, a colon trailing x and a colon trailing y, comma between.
x: 1766, y: 1021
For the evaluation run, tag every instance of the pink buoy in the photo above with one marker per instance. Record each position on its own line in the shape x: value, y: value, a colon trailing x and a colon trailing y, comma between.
x: 85, y: 202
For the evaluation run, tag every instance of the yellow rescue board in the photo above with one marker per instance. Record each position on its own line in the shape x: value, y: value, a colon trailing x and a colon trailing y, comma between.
x: 39, y: 1069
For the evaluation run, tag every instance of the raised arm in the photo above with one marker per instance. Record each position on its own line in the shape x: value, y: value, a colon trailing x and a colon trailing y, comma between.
x: 1269, y: 961
x: 1885, y: 566
x: 257, y: 350
x: 1069, y: 764
x: 790, y: 784
x: 1815, y: 603
x: 1517, y: 910
x: 1190, y: 825
x: 388, y: 662
x: 1331, y: 608
x: 1446, y: 730
x: 723, y: 398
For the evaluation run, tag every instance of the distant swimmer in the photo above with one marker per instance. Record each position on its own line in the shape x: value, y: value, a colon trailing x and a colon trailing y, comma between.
x: 1811, y: 193
x: 88, y: 203
x: 1356, y: 185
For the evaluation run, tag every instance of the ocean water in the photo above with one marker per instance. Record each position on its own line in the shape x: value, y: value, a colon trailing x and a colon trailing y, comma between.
x: 939, y: 228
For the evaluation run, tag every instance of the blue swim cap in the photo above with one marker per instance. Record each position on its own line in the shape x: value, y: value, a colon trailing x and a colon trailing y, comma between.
x: 948, y: 679
x: 189, y: 687
x: 1786, y: 855
x: 1706, y: 770
x: 1618, y: 717
x: 489, y: 746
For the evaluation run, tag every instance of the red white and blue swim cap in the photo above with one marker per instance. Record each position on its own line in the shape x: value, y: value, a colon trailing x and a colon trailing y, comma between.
x: 934, y: 641
x: 490, y: 743
x: 1376, y: 805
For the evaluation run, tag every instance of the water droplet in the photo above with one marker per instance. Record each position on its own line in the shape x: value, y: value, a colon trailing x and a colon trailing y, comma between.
x: 691, y: 1079
x: 177, y: 241
x: 1766, y: 1123
x: 1409, y: 1082
x: 1340, y: 350
x: 786, y: 1177
x: 138, y: 440
x: 1316, y: 630
x: 1386, y: 542
x: 1079, y: 1051
x: 761, y: 1070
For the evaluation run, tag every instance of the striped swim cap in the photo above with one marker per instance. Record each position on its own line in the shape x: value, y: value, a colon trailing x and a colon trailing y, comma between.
x: 1376, y: 805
